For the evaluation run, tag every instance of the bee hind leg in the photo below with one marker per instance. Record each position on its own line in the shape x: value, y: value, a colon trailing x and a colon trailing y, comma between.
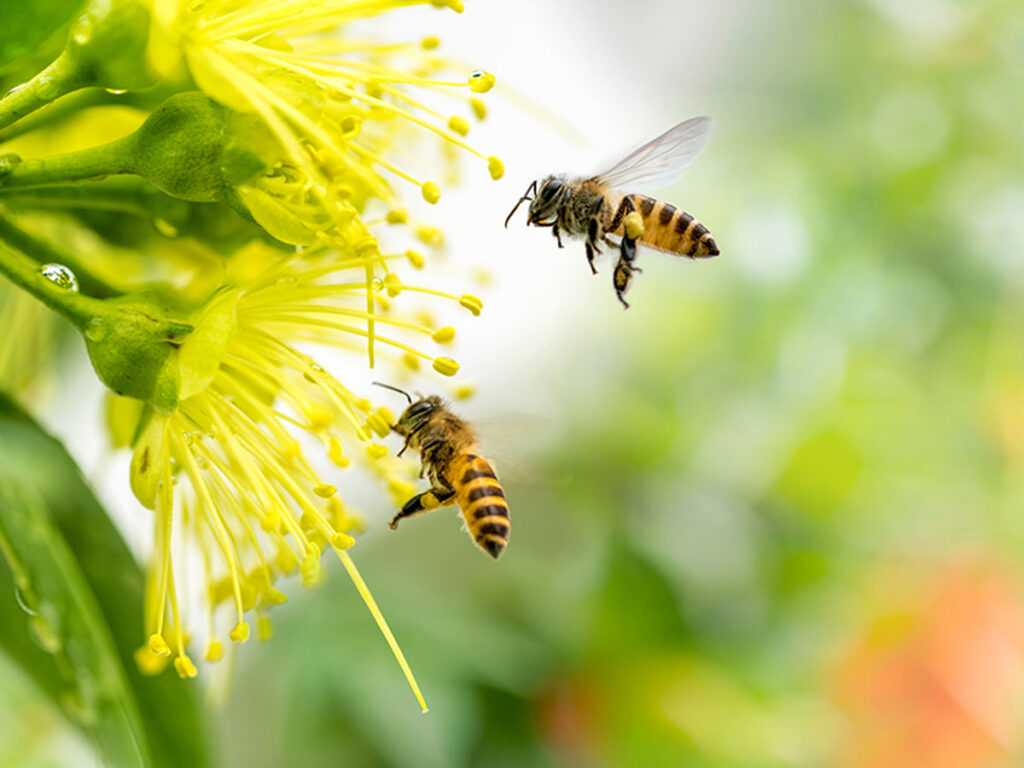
x: 423, y: 502
x: 624, y: 269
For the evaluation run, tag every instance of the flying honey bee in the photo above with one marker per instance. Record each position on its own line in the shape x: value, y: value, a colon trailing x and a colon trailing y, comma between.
x: 457, y: 473
x: 595, y: 208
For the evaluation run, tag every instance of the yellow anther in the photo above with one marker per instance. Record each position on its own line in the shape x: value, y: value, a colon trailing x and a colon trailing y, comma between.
x: 480, y: 81
x: 379, y: 424
x: 184, y: 666
x: 465, y: 391
x: 274, y: 596
x: 158, y: 645
x: 444, y: 335
x: 271, y: 519
x: 325, y: 491
x: 376, y: 451
x: 431, y: 192
x: 214, y: 651
x: 446, y: 366
x: 393, y: 284
x: 459, y: 125
x: 496, y: 167
x: 401, y: 489
x: 472, y: 303
x: 411, y: 361
x: 364, y: 404
x: 416, y: 259
x: 397, y: 216
x: 336, y: 454
x: 264, y: 628
x: 286, y: 560
x: 430, y: 43
x: 240, y: 633
x: 479, y: 108
x: 633, y: 225
x: 342, y: 541
x: 148, y: 662
x: 310, y: 567
x: 350, y: 126
x: 430, y: 235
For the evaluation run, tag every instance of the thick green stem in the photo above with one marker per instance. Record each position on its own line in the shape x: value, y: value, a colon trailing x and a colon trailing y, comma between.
x: 59, y: 78
x: 23, y: 272
x: 73, y: 167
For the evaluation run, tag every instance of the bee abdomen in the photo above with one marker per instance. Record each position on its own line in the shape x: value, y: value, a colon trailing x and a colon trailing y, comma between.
x: 672, y: 229
x: 483, y: 504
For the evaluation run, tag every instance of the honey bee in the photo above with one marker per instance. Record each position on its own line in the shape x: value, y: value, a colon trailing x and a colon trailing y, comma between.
x: 458, y: 474
x: 594, y: 207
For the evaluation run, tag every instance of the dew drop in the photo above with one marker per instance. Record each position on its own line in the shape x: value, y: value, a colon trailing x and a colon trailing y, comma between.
x: 47, y: 88
x: 15, y: 89
x: 96, y: 330
x: 60, y: 276
x: 116, y: 91
x: 24, y: 603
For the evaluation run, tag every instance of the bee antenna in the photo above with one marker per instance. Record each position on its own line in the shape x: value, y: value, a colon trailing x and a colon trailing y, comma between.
x: 524, y: 198
x: 396, y: 389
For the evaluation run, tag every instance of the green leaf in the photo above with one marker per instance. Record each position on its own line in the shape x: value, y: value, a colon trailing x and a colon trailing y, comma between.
x: 83, y: 593
x: 27, y: 24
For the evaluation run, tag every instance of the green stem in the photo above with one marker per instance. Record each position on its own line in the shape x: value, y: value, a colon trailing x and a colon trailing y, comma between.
x: 43, y: 252
x: 59, y: 78
x: 73, y: 167
x: 77, y: 309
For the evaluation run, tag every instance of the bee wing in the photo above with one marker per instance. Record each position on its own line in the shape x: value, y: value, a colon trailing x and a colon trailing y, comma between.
x: 660, y: 161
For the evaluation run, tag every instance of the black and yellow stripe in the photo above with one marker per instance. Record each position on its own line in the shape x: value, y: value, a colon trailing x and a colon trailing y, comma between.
x: 482, y: 501
x: 669, y: 229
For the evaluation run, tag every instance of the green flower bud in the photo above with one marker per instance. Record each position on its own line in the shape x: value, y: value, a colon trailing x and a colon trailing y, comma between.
x: 133, y: 345
x: 106, y: 45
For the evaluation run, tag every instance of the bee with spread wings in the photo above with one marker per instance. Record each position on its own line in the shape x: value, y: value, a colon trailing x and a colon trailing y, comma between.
x: 596, y: 208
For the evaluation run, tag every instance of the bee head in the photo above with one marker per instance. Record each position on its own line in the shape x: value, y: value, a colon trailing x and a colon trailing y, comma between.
x: 544, y: 207
x: 417, y: 414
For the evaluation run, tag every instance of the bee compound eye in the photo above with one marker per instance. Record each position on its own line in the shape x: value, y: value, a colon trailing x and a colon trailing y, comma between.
x: 421, y: 407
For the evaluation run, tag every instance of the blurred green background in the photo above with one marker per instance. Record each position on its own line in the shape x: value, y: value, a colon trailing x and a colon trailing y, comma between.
x: 783, y: 523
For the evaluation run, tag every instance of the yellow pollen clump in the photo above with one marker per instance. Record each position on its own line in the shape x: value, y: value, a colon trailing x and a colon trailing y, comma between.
x: 310, y: 568
x: 446, y: 366
x: 185, y: 667
x: 240, y: 633
x: 633, y: 225
x: 431, y: 192
x: 274, y: 596
x: 416, y: 259
x: 472, y: 303
x: 325, y: 491
x: 430, y: 43
x: 393, y: 284
x: 430, y: 235
x: 376, y: 451
x: 479, y: 108
x: 480, y: 81
x: 397, y: 216
x: 444, y: 335
x: 214, y: 651
x: 496, y: 167
x: 159, y: 646
x: 459, y: 125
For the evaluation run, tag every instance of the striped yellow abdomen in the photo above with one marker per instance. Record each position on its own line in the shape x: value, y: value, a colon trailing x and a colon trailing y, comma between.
x: 482, y: 501
x: 671, y: 229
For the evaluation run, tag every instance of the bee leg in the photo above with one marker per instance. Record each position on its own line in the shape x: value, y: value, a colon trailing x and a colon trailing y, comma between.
x: 624, y: 269
x: 404, y: 445
x: 590, y: 257
x: 422, y: 502
x: 557, y: 234
x: 424, y: 451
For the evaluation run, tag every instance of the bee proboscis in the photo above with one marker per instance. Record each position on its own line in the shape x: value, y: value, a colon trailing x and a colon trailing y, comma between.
x: 458, y: 474
x: 598, y: 206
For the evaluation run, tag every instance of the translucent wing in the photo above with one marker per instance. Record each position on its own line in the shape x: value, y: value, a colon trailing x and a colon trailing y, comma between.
x: 660, y: 161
